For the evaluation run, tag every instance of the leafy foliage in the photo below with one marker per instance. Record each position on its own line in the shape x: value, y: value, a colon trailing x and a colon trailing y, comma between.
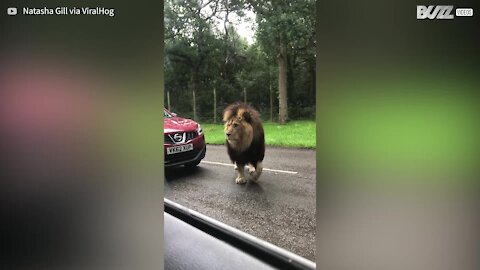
x: 205, y: 52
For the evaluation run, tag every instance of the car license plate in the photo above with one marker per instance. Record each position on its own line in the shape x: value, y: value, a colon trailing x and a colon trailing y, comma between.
x: 179, y: 149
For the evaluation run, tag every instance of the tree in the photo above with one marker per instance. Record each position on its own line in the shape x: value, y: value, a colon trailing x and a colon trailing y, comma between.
x: 204, y: 51
x: 281, y: 25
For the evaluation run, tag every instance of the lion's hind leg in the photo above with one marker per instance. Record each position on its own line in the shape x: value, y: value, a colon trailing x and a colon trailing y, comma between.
x: 251, y: 168
x: 257, y: 171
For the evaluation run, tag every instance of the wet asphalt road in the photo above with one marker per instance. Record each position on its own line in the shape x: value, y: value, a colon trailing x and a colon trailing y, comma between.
x: 280, y: 208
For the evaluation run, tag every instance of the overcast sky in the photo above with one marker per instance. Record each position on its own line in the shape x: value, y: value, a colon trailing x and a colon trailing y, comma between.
x: 245, y: 26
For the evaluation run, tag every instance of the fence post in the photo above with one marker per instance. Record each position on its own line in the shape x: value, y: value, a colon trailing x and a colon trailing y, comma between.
x: 168, y: 100
x: 214, y: 106
x: 245, y: 95
x: 194, y: 107
x: 271, y: 98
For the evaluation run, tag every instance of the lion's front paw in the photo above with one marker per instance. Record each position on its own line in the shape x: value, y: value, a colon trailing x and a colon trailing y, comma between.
x: 240, y: 180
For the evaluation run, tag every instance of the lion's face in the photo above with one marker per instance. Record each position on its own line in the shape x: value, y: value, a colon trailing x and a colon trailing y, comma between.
x: 238, y: 132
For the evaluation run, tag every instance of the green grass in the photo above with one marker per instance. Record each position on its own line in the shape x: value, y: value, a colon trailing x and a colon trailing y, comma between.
x: 298, y: 134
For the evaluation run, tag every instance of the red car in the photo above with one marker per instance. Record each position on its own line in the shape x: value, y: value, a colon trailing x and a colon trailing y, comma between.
x: 184, y: 141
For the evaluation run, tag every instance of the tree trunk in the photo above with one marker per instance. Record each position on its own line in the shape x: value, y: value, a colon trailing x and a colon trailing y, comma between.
x: 193, y: 86
x: 227, y: 54
x: 194, y: 107
x: 291, y: 76
x: 282, y: 85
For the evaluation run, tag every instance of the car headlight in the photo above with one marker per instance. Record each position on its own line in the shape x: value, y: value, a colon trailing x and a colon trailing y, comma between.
x: 199, y: 130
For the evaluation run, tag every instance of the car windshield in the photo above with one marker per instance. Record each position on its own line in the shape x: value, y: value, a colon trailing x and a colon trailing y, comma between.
x: 256, y: 172
x: 166, y: 114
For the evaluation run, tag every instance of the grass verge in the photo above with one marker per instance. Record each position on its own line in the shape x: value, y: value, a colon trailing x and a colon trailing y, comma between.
x: 298, y: 134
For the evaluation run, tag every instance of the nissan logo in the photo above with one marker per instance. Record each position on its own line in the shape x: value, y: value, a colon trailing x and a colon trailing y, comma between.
x: 178, y: 137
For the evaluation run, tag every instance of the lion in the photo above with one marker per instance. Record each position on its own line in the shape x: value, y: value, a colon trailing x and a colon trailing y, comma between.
x: 245, y: 140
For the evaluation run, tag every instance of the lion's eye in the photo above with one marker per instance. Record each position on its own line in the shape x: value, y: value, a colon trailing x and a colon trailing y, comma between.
x: 235, y: 125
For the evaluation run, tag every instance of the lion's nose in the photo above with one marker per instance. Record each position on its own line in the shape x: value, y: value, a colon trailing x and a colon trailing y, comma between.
x: 228, y: 134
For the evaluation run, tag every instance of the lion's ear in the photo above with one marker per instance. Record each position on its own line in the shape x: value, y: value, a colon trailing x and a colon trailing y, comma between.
x: 226, y: 116
x: 247, y: 116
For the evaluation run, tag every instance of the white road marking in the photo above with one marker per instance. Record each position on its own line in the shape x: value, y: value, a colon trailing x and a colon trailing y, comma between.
x: 232, y: 165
